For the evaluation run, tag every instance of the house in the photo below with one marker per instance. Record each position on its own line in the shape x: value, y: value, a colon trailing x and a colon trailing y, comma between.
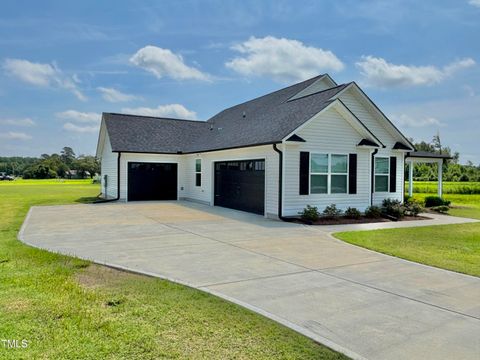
x: 315, y: 142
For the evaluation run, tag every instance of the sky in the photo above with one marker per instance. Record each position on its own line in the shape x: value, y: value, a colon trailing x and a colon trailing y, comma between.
x: 63, y: 63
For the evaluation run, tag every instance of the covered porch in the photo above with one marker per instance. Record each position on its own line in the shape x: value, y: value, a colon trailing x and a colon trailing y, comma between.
x: 425, y: 157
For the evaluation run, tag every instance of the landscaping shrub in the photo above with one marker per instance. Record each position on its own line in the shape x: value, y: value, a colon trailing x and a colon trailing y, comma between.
x: 331, y: 212
x: 352, y: 213
x: 413, y: 208
x: 394, y: 208
x: 310, y: 213
x: 373, y: 212
x: 441, y: 209
x: 431, y: 201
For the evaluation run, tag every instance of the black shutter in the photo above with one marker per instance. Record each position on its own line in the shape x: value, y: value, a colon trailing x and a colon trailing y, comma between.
x: 304, y: 173
x: 352, y: 174
x: 393, y: 174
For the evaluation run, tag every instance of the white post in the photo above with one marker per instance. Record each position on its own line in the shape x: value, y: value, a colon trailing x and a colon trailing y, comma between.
x: 410, y: 178
x: 440, y: 180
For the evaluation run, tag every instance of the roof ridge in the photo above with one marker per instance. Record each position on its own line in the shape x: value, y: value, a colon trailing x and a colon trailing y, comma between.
x: 321, y: 91
x: 267, y: 94
x: 154, y: 117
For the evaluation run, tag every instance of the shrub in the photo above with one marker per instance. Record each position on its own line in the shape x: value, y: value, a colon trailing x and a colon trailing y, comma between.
x: 431, y: 201
x: 331, y: 212
x: 373, y: 212
x: 441, y: 209
x: 310, y: 213
x: 352, y: 213
x: 394, y: 208
x: 413, y: 208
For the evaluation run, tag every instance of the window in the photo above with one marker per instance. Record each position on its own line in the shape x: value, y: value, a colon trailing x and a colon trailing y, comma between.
x: 382, y: 173
x: 319, y: 174
x: 339, y: 174
x: 198, y: 172
x: 328, y: 174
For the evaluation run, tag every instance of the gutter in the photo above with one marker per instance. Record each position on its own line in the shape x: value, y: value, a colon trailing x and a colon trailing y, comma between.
x: 372, y: 178
x: 118, y: 184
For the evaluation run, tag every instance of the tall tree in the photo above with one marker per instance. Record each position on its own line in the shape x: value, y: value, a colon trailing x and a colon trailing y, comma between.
x: 67, y: 155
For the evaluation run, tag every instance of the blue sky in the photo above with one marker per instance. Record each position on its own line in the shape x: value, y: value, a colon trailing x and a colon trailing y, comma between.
x: 63, y: 63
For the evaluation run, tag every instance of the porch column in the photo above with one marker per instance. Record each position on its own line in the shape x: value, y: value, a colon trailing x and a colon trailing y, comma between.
x: 440, y: 180
x: 410, y: 178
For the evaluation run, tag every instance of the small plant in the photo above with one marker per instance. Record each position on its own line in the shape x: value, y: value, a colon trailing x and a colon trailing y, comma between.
x: 331, y: 212
x: 412, y: 207
x: 373, y: 212
x: 441, y: 209
x: 432, y: 201
x: 393, y: 208
x: 310, y: 213
x: 352, y: 213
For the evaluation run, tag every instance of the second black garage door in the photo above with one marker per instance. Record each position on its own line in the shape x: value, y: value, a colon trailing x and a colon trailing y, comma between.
x: 241, y: 185
x: 152, y: 181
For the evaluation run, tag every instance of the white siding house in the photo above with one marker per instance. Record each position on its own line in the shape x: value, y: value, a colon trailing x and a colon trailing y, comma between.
x: 252, y: 153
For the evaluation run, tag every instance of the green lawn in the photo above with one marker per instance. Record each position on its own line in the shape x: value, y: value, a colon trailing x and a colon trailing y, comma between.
x: 452, y: 247
x: 68, y: 308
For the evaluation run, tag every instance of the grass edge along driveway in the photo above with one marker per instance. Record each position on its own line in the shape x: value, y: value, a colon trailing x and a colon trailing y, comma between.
x: 69, y: 308
x: 451, y: 247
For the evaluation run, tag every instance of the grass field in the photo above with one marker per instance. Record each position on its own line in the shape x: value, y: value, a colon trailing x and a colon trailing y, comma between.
x: 67, y: 308
x: 452, y: 247
x: 449, y: 187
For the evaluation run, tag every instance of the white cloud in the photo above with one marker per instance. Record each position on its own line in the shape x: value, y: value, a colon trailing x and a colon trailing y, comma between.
x: 404, y: 120
x: 170, y: 110
x: 114, y: 95
x: 18, y: 122
x: 474, y: 3
x: 379, y: 72
x: 78, y: 116
x: 282, y: 59
x: 11, y: 135
x: 42, y: 75
x: 163, y: 62
x: 80, y: 129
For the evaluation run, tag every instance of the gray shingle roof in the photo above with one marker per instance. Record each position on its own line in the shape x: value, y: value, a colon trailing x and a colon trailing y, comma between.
x: 264, y: 120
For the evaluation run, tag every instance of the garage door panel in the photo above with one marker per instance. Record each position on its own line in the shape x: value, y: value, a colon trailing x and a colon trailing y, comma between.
x: 152, y: 181
x: 241, y: 185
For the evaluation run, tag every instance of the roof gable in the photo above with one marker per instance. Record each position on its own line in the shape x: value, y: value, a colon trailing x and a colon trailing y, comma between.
x: 376, y: 113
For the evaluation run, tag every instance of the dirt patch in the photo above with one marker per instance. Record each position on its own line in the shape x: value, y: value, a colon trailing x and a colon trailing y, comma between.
x: 18, y: 305
x: 95, y: 276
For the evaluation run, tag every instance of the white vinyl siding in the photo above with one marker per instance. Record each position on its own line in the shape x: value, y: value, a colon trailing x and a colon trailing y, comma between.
x: 375, y: 123
x: 327, y: 133
x: 109, y: 168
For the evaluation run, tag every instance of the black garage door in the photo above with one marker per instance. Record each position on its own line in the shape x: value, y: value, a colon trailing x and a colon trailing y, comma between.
x: 152, y: 181
x: 241, y: 185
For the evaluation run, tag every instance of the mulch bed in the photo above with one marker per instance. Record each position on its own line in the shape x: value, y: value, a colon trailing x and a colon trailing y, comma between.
x: 362, y: 220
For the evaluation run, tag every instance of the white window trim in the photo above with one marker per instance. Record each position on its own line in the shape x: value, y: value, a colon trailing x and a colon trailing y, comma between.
x: 375, y: 175
x: 328, y: 173
x: 198, y: 172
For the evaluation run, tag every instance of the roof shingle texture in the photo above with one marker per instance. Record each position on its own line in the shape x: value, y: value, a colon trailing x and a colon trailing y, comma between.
x: 264, y: 120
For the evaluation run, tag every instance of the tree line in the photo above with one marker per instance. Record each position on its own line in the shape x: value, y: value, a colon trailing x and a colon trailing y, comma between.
x: 51, y: 165
x: 452, y: 170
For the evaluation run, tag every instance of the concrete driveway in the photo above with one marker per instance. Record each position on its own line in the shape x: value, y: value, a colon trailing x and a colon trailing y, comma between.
x: 362, y: 303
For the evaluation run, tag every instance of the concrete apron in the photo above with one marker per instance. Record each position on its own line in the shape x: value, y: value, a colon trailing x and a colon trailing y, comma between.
x: 361, y: 303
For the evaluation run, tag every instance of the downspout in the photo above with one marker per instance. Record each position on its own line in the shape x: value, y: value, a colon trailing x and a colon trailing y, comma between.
x: 118, y: 184
x: 372, y: 179
x: 280, y: 184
